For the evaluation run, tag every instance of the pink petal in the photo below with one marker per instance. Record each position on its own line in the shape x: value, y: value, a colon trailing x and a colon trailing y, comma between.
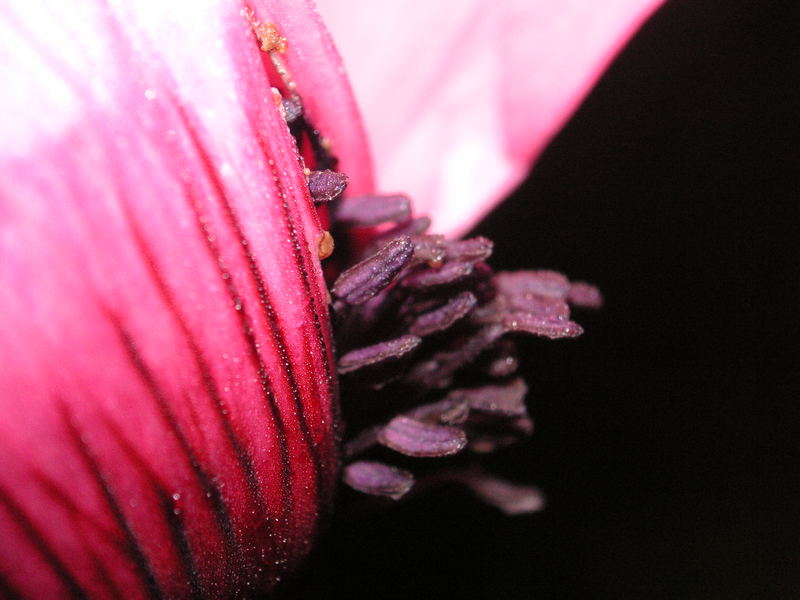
x: 460, y: 97
x: 167, y: 384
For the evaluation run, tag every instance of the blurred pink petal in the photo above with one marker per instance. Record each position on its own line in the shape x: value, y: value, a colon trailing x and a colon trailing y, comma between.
x: 166, y: 384
x: 460, y: 97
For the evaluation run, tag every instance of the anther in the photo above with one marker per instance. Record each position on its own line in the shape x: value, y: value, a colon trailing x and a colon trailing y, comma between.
x: 373, y: 210
x: 444, y: 316
x: 325, y: 186
x: 377, y: 353
x: 505, y: 399
x: 378, y: 479
x: 415, y: 438
x: 361, y: 282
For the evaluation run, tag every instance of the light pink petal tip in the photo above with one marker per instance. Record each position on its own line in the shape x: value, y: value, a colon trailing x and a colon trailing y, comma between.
x: 166, y: 386
x: 459, y: 97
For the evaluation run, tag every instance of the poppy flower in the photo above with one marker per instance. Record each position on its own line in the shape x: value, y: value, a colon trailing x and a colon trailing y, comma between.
x: 170, y: 378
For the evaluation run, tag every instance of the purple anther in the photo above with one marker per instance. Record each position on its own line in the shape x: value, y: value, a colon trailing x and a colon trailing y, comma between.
x: 449, y: 273
x: 585, y: 295
x: 541, y: 326
x: 378, y: 479
x: 470, y: 250
x: 362, y: 281
x: 511, y: 498
x: 373, y: 210
x: 444, y: 316
x: 541, y: 283
x: 414, y: 438
x: 377, y: 353
x: 429, y: 249
x: 506, y: 399
x: 325, y: 186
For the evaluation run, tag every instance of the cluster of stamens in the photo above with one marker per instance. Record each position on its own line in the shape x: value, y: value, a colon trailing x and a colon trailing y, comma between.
x: 424, y: 333
x: 422, y: 329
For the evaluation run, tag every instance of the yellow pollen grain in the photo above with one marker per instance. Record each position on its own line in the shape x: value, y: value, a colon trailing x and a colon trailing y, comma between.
x: 325, y: 245
x: 270, y: 38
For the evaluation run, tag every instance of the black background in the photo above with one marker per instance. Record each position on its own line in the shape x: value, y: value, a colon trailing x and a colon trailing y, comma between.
x: 666, y: 437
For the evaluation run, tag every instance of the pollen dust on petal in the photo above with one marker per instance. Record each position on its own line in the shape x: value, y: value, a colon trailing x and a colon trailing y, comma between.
x: 270, y: 37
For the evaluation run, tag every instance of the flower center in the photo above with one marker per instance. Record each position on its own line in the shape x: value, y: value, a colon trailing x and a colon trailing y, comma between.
x: 424, y: 331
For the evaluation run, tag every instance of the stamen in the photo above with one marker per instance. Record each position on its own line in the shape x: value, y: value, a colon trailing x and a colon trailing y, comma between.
x: 543, y: 327
x: 438, y: 371
x: 585, y: 295
x: 444, y: 412
x: 501, y: 306
x: 411, y: 228
x: 430, y: 249
x: 366, y: 211
x: 325, y: 186
x: 378, y: 479
x: 361, y: 442
x: 361, y: 282
x: 448, y: 274
x: 377, y: 353
x: 540, y: 283
x: 445, y: 316
x: 471, y: 250
x: 414, y: 438
x: 511, y: 498
x: 507, y: 399
x: 502, y: 360
x: 484, y: 441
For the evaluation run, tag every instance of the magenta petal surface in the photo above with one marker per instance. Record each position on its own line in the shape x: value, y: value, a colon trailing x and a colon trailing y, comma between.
x: 459, y: 97
x: 166, y: 388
